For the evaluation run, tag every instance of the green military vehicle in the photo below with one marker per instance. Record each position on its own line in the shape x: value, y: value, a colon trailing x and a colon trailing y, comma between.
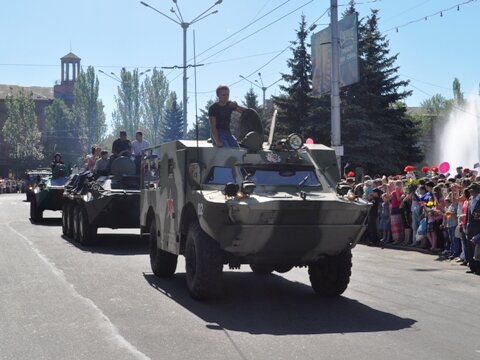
x: 108, y: 201
x: 33, y: 178
x: 271, y: 207
x: 47, y: 194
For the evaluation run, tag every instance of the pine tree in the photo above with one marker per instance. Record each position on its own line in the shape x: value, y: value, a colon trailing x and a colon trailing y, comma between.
x: 295, y: 104
x: 172, y: 125
x: 20, y: 130
x: 376, y: 132
x: 251, y: 101
x: 203, y: 124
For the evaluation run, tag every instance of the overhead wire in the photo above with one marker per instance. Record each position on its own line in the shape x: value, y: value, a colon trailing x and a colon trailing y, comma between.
x: 424, y: 18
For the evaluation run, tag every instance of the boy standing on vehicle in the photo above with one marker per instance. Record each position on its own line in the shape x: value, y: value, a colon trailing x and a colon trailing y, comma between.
x: 219, y: 115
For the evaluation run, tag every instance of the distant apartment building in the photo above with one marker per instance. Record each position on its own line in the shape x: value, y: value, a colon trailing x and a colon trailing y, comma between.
x: 43, y: 96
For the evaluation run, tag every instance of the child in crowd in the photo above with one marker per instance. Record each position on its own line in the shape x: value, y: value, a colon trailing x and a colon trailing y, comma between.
x: 384, y: 218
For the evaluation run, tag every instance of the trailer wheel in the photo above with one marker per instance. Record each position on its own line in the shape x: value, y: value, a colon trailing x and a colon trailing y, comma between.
x: 65, y: 209
x: 203, y: 263
x: 330, y: 275
x: 162, y: 262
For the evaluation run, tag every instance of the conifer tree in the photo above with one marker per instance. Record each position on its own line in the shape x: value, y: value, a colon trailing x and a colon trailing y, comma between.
x: 203, y: 124
x: 295, y: 103
x: 172, y: 125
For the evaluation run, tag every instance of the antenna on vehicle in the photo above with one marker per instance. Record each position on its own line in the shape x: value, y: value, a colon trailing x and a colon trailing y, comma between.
x: 272, y: 128
x: 196, y: 107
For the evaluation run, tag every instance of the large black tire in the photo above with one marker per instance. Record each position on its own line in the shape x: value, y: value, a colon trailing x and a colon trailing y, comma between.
x: 261, y: 269
x: 330, y: 275
x: 87, y: 233
x: 75, y: 221
x: 203, y: 263
x: 69, y: 220
x: 36, y: 214
x: 65, y: 209
x: 162, y: 262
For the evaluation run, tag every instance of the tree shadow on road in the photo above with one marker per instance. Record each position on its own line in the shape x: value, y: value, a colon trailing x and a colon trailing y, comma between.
x: 114, y: 244
x: 274, y: 305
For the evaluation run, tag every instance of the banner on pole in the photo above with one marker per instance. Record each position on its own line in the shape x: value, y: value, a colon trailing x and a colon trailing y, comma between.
x: 348, y: 53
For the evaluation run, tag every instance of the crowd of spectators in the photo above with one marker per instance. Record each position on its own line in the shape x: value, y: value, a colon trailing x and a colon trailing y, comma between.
x: 438, y: 213
x: 12, y: 185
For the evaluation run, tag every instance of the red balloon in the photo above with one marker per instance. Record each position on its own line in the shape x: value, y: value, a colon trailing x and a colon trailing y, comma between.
x: 309, y: 141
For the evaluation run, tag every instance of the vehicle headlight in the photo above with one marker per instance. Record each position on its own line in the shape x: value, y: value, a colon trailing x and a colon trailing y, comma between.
x: 294, y: 141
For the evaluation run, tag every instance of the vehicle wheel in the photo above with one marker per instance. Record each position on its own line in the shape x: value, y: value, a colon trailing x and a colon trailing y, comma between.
x: 87, y: 233
x: 70, y: 220
x: 261, y: 269
x: 75, y: 221
x: 162, y: 262
x: 330, y: 276
x: 65, y: 209
x: 203, y: 263
x: 35, y: 213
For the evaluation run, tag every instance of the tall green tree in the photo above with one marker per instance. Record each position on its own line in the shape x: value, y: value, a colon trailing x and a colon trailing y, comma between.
x: 154, y: 93
x: 203, y: 125
x: 376, y: 132
x: 20, y: 130
x: 61, y: 132
x: 295, y: 102
x: 172, y: 126
x: 251, y: 101
x: 88, y: 111
x: 126, y: 116
x: 458, y: 97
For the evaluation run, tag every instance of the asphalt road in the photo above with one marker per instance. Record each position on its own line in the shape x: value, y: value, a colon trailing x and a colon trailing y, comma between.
x: 60, y: 300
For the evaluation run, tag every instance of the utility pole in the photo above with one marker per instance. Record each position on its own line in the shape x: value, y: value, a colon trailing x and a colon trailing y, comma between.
x: 184, y: 25
x: 336, y: 140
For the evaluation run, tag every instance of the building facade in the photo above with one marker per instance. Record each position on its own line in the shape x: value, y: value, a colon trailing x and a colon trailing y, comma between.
x: 42, y: 96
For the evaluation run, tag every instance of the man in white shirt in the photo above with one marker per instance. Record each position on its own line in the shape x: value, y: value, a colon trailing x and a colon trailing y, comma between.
x: 138, y: 145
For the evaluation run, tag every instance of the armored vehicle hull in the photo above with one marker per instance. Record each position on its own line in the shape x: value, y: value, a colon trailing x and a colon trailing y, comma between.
x: 270, y: 209
x: 111, y: 201
x: 47, y: 195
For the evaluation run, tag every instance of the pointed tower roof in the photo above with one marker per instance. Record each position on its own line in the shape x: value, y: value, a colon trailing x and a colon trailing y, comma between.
x: 70, y: 56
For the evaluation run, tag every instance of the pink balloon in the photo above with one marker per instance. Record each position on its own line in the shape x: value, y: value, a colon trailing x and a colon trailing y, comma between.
x: 444, y: 167
x: 309, y: 141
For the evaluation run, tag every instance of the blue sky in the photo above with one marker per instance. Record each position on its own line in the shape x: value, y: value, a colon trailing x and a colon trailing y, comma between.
x: 109, y: 35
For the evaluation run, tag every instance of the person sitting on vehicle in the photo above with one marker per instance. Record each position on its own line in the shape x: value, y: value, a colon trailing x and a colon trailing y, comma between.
x: 89, y: 160
x: 102, y: 166
x: 219, y: 115
x: 122, y: 146
x: 138, y: 145
x: 58, y: 167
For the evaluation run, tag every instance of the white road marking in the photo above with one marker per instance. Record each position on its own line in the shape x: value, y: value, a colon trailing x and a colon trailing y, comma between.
x: 104, y: 322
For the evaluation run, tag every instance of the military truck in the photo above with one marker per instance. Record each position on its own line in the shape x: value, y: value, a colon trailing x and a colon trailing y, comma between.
x: 47, y: 194
x: 108, y: 201
x: 271, y: 206
x: 33, y: 178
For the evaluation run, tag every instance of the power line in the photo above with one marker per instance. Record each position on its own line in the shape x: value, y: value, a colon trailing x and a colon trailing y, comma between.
x: 424, y: 18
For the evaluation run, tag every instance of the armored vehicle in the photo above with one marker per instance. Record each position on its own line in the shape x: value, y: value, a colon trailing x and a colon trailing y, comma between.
x: 108, y: 201
x: 272, y: 207
x: 33, y: 178
x: 47, y: 194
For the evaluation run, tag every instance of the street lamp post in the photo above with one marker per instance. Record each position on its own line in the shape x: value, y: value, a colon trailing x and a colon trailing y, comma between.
x: 184, y: 25
x: 263, y: 87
